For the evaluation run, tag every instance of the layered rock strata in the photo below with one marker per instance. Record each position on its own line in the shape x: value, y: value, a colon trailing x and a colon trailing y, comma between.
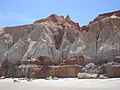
x: 59, y: 42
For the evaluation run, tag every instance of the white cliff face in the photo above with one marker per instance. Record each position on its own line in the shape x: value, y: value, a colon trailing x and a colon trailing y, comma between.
x: 58, y: 38
x: 100, y: 41
x: 17, y: 51
x: 44, y: 47
x: 5, y: 43
x: 77, y: 48
x: 68, y: 39
x: 3, y: 50
x: 51, y: 38
x: 109, y: 39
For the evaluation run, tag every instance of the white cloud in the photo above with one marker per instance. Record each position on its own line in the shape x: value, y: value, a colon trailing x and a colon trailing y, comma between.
x: 3, y: 17
x: 11, y: 18
x: 14, y: 16
x: 19, y: 17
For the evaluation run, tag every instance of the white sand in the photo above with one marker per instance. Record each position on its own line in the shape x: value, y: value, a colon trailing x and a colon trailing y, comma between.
x: 61, y: 84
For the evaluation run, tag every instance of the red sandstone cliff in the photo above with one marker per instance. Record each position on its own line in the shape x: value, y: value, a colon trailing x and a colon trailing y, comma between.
x: 56, y: 40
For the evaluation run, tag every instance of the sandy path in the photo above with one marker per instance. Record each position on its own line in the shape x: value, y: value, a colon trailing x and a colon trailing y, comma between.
x: 62, y: 84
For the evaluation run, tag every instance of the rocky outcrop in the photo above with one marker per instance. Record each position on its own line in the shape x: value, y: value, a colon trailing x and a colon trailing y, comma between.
x: 31, y: 71
x: 90, y: 76
x: 73, y: 61
x: 87, y: 76
x: 58, y: 41
x: 34, y: 71
x: 111, y: 69
x: 4, y: 68
x: 65, y: 71
x: 102, y: 16
x: 117, y: 59
x: 91, y: 68
x: 49, y: 37
x: 101, y: 37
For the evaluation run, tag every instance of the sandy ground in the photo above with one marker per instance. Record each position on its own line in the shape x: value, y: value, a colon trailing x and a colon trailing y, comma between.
x: 61, y: 84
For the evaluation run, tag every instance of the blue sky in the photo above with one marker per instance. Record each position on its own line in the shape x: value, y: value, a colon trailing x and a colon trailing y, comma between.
x: 19, y: 12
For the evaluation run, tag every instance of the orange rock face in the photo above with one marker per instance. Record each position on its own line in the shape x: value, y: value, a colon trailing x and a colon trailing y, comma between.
x: 101, y: 16
x: 65, y: 71
x: 73, y: 61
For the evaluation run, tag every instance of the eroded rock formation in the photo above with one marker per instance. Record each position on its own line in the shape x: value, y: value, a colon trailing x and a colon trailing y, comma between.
x: 60, y: 42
